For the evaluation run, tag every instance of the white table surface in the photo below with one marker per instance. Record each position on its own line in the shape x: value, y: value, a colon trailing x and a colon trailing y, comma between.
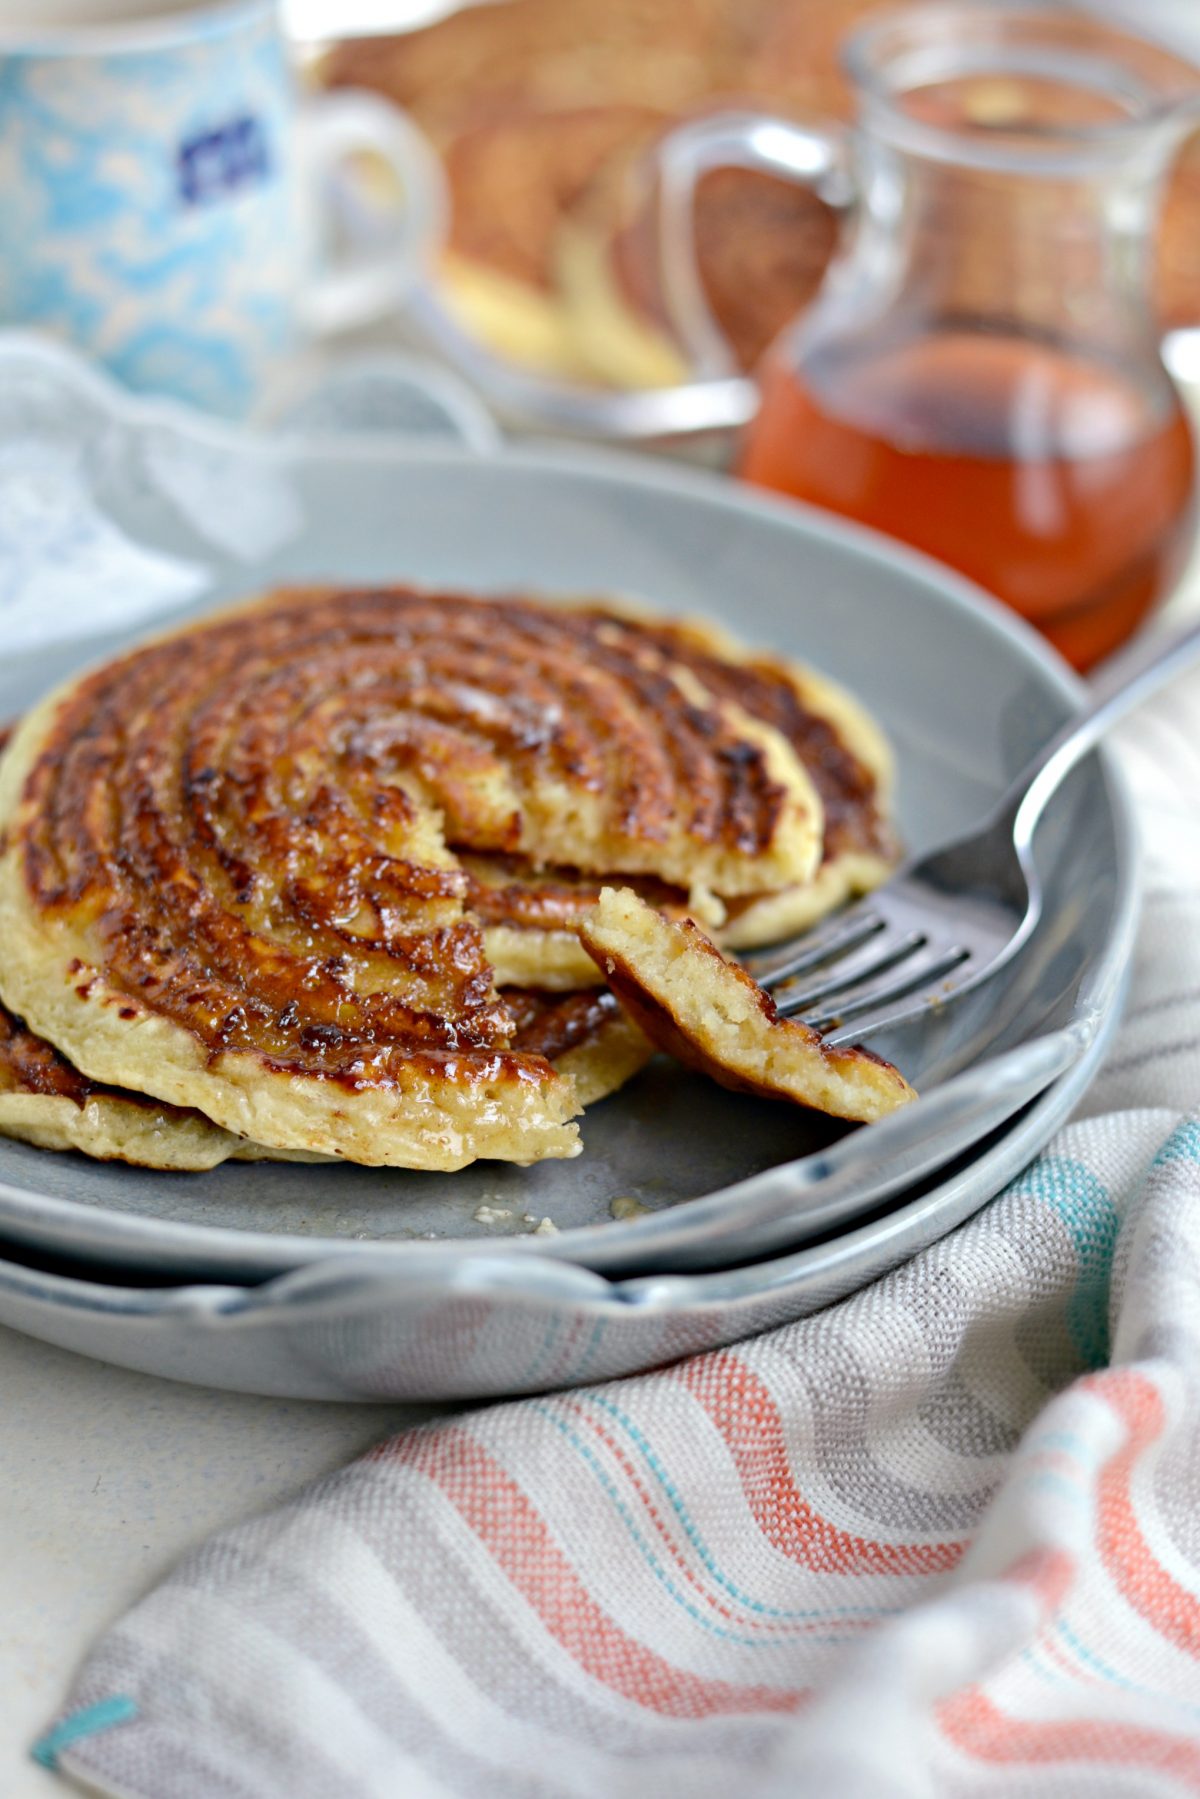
x: 106, y: 1477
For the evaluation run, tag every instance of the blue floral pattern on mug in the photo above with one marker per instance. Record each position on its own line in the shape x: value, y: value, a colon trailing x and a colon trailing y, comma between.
x: 152, y: 207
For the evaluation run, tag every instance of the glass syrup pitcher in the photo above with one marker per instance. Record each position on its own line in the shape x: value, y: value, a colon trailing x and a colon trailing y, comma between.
x: 980, y: 374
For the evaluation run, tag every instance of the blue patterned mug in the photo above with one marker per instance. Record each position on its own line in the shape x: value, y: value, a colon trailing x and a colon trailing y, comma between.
x: 160, y: 190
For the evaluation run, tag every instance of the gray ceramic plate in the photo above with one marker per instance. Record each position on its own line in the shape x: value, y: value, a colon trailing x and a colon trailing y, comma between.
x: 117, y: 514
x: 445, y: 1327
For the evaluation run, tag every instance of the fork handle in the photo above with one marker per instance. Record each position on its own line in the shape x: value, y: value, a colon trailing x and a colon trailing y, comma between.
x: 1123, y: 683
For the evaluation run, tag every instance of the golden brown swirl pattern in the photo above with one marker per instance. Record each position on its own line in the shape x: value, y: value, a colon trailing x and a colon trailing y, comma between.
x: 229, y: 877
x: 532, y: 915
x: 45, y: 1101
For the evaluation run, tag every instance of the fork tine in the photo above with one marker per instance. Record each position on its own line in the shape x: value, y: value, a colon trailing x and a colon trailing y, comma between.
x: 918, y: 979
x: 845, y: 1036
x: 836, y: 938
x: 880, y: 954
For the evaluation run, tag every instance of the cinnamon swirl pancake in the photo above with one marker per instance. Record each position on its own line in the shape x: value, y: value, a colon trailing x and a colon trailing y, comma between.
x: 228, y: 879
x: 585, y: 1035
x: 531, y: 916
x: 47, y: 1102
x: 845, y: 755
x: 709, y: 1015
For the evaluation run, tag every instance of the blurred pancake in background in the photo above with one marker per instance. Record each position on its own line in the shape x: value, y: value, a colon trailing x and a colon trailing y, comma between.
x: 514, y: 181
x: 546, y: 113
x: 484, y: 61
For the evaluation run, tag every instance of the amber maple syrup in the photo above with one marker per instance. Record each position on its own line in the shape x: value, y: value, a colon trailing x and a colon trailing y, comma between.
x: 1056, y: 482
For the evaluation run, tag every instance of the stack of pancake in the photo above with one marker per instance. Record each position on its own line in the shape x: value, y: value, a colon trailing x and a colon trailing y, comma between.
x: 315, y: 877
x: 546, y: 115
x: 547, y: 112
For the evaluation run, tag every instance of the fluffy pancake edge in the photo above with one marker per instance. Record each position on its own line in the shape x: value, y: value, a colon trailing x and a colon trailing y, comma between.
x: 47, y: 979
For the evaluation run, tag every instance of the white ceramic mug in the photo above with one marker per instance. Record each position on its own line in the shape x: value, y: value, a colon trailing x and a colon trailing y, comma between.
x: 162, y: 187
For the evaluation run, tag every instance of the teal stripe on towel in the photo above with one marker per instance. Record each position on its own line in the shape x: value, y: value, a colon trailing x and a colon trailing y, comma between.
x: 1092, y: 1221
x: 1183, y: 1145
x: 101, y: 1716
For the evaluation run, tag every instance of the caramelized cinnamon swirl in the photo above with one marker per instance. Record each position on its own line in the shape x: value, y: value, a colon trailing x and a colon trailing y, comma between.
x: 531, y: 916
x: 45, y: 1101
x: 229, y: 878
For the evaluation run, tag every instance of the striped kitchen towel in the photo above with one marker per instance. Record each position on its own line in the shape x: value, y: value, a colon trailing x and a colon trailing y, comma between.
x: 943, y: 1537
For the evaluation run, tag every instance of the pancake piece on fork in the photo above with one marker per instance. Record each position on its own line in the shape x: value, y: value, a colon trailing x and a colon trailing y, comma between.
x: 707, y: 1013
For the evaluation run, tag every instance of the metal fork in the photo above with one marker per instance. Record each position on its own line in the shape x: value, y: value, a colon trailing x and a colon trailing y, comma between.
x: 951, y: 919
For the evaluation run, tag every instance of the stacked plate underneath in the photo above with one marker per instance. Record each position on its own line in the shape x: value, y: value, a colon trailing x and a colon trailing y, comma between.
x: 694, y: 1216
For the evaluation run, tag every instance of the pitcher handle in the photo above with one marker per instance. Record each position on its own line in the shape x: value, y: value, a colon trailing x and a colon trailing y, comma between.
x: 813, y: 156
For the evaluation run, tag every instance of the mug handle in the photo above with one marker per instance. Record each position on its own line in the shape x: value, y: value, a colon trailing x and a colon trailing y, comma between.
x: 361, y: 285
x: 812, y: 156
